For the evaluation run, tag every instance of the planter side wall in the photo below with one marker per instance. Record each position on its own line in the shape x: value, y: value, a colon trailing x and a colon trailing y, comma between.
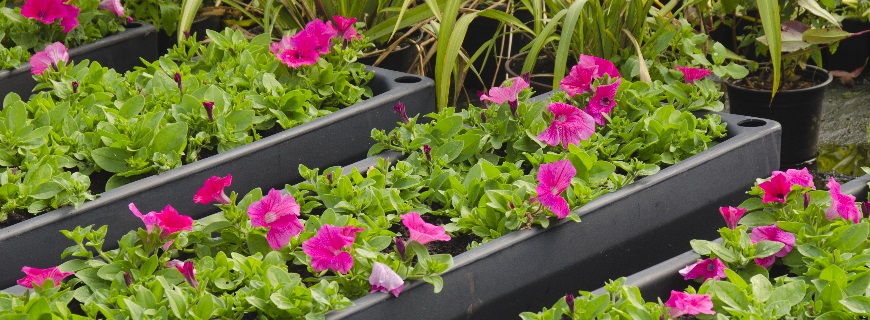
x: 121, y: 51
x: 644, y: 222
x: 339, y: 138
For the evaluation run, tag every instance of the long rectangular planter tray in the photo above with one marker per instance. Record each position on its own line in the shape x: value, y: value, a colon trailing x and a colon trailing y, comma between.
x: 645, y: 222
x: 658, y: 281
x: 338, y: 138
x: 121, y: 51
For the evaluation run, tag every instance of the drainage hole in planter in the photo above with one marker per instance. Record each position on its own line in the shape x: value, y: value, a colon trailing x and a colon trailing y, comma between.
x: 752, y: 123
x: 407, y: 79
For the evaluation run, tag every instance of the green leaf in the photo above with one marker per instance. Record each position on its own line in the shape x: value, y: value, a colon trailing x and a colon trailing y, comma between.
x: 730, y: 294
x: 132, y: 106
x: 857, y: 304
x: 769, y: 12
x: 448, y: 151
x: 824, y: 36
x: 766, y: 248
x: 850, y: 237
x: 171, y: 139
x: 112, y: 159
x: 814, y: 7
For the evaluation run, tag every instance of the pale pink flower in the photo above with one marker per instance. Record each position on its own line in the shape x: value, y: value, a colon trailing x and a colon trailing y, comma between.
x: 842, y: 205
x: 732, y: 215
x: 711, y: 268
x: 49, y: 57
x: 775, y: 189
x: 553, y: 179
x: 499, y: 95
x: 421, y: 231
x: 681, y: 303
x: 692, y: 74
x: 213, y: 190
x: 570, y: 125
x: 113, y: 6
x: 801, y: 177
x: 344, y: 28
x: 187, y: 270
x: 602, y: 102
x: 385, y: 279
x: 326, y: 248
x: 772, y: 233
x: 278, y: 213
x: 34, y: 276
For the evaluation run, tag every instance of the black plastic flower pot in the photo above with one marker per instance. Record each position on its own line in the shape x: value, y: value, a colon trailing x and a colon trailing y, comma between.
x: 339, y: 138
x: 852, y: 53
x: 542, y: 75
x: 799, y: 112
x: 492, y: 70
x: 121, y: 51
x: 644, y: 222
x: 199, y: 27
x: 401, y: 59
x: 658, y: 281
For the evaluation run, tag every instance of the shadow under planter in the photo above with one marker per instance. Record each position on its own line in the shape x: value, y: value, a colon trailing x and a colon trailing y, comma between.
x: 644, y: 222
x: 341, y: 137
x: 121, y: 51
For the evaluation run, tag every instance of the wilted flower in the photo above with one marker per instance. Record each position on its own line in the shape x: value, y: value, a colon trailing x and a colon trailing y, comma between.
x: 681, y: 303
x: 75, y: 86
x: 400, y: 248
x: 385, y: 279
x: 427, y: 150
x: 841, y: 204
x: 553, y: 178
x: 34, y: 276
x: 570, y: 125
x: 177, y: 78
x: 187, y: 270
x: 421, y: 231
x: 209, y: 109
x: 772, y: 233
x: 326, y: 248
x: 711, y: 268
x: 400, y: 108
x: 213, y: 190
x: 278, y: 213
x: 569, y: 300
x: 49, y: 57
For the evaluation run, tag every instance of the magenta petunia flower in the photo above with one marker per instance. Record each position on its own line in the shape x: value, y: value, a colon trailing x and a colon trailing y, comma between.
x: 303, y: 53
x: 570, y: 125
x: 278, y: 213
x: 278, y: 47
x: 209, y: 110
x: 34, y: 276
x: 344, y: 28
x: 801, y: 177
x: 385, y: 279
x: 681, y: 303
x: 421, y: 231
x: 326, y: 248
x: 732, y: 215
x: 49, y: 57
x: 602, y: 102
x: 711, y: 268
x: 316, y: 33
x: 772, y: 233
x: 579, y: 79
x: 400, y: 109
x: 168, y: 220
x: 603, y: 66
x: 113, y: 6
x: 70, y: 20
x: 48, y: 11
x: 553, y: 178
x: 775, y: 189
x: 692, y: 74
x: 213, y: 190
x: 842, y: 205
x: 499, y: 95
x: 187, y: 270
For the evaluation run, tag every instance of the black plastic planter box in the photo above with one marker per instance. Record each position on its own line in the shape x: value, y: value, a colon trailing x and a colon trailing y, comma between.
x: 338, y: 138
x: 645, y: 222
x: 658, y: 280
x: 121, y: 51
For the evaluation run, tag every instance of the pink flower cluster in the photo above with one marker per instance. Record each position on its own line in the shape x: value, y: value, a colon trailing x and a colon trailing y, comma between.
x: 49, y: 57
x: 306, y: 46
x: 681, y: 303
x: 553, y: 179
x: 777, y: 188
x: 49, y: 11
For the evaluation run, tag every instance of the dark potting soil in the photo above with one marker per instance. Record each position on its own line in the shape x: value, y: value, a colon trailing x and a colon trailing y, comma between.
x: 14, y: 217
x: 457, y: 244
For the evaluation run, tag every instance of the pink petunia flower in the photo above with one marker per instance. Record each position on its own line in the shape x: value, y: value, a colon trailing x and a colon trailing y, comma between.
x: 570, y: 125
x: 499, y: 95
x: 692, y: 74
x: 711, y: 268
x: 168, y: 220
x: 732, y: 215
x: 70, y: 20
x: 421, y: 231
x: 681, y: 303
x: 303, y: 53
x: 113, y: 6
x: 603, y: 66
x: 326, y: 248
x: 45, y: 11
x: 842, y: 205
x: 553, y: 178
x: 34, y: 276
x: 49, y: 57
x: 579, y: 79
x: 801, y: 177
x: 278, y: 47
x: 213, y: 189
x: 602, y: 102
x: 319, y: 32
x: 278, y: 213
x: 772, y: 233
x: 344, y: 28
x: 187, y: 270
x: 775, y: 189
x: 385, y: 279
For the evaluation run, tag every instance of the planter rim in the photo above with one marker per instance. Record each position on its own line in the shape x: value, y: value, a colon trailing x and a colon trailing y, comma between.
x: 814, y: 69
x: 134, y: 29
